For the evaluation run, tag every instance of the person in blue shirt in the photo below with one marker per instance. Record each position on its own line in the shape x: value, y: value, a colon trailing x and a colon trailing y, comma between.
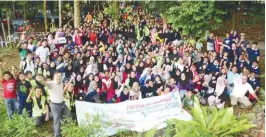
x: 241, y: 63
x: 70, y: 45
x: 227, y: 43
x: 205, y: 65
x: 255, y: 68
x: 226, y: 61
x: 255, y: 83
x: 239, y: 49
x: 215, y: 67
x: 253, y: 53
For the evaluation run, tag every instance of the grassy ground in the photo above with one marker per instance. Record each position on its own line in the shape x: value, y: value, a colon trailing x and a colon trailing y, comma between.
x: 10, y: 55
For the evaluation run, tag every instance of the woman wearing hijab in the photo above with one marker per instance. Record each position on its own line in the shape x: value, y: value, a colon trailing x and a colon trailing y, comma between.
x: 234, y: 36
x: 220, y: 96
x: 135, y: 93
x: 108, y: 85
x: 91, y: 67
x: 88, y: 80
x: 93, y: 92
x: 109, y: 65
x: 52, y: 69
x: 44, y: 70
x: 140, y: 69
x: 68, y: 71
x: 183, y: 85
x: 79, y: 84
x: 158, y: 84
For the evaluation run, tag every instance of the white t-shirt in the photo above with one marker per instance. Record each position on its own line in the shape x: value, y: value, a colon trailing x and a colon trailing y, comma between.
x: 241, y: 89
x: 56, y: 92
x: 43, y: 53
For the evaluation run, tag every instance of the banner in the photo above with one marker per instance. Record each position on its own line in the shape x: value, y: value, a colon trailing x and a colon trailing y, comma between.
x: 138, y: 115
x: 60, y: 40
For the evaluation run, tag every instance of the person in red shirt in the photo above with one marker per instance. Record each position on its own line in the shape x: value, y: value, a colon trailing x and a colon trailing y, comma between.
x: 10, y: 94
x: 217, y: 44
x: 93, y: 36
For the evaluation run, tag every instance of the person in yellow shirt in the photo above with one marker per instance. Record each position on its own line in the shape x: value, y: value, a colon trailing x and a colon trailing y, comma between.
x: 40, y: 110
x: 88, y: 18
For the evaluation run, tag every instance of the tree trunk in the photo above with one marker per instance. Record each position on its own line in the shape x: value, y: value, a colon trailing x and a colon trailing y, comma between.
x: 24, y: 11
x: 76, y: 13
x: 4, y: 31
x: 8, y: 23
x: 60, y: 12
x: 45, y: 16
x: 233, y: 16
x: 116, y: 23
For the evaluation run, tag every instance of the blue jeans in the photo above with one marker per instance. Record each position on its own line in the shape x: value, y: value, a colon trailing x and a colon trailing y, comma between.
x: 12, y: 106
x: 182, y: 93
x: 23, y: 104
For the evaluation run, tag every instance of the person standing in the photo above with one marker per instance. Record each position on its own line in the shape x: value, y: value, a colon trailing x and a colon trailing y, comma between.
x: 58, y: 106
x: 211, y: 43
x: 10, y: 94
x: 24, y: 88
x: 43, y: 51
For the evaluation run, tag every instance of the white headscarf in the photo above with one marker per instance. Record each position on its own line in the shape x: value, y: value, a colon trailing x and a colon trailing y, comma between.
x: 220, y: 85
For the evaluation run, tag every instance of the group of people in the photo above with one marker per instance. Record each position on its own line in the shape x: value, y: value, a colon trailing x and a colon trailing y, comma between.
x: 139, y: 59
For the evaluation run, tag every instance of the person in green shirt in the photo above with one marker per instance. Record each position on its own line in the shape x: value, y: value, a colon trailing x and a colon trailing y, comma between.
x: 30, y: 79
x: 189, y: 100
x: 23, y: 51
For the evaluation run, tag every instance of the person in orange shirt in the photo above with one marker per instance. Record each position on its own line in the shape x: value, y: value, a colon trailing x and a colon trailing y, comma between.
x: 88, y: 18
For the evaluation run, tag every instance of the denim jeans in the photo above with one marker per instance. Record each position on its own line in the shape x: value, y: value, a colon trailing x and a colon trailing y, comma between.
x: 23, y: 104
x: 182, y: 93
x: 12, y: 106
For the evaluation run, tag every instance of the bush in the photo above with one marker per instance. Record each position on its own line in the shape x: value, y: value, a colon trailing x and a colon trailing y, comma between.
x: 19, y: 126
x: 94, y: 127
x: 209, y: 122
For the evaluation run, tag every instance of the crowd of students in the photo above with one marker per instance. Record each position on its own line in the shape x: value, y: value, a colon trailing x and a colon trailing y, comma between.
x: 141, y: 58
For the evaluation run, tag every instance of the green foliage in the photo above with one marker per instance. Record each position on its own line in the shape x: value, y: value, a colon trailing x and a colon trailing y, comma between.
x: 112, y: 10
x: 195, y: 17
x: 19, y: 126
x: 94, y: 127
x: 126, y: 133
x: 209, y: 122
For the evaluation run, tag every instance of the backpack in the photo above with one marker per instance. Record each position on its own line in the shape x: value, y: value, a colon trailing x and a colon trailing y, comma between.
x: 25, y: 65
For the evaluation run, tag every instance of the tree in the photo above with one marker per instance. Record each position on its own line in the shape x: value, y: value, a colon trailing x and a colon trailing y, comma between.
x: 60, y: 12
x: 76, y: 13
x: 24, y: 10
x: 160, y: 7
x: 209, y: 122
x: 195, y: 17
x: 45, y: 16
x: 112, y: 10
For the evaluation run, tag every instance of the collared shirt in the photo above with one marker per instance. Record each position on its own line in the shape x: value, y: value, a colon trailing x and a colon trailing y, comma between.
x: 231, y: 77
x: 56, y: 91
x: 241, y: 89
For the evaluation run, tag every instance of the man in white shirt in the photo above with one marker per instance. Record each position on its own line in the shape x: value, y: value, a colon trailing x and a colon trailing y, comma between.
x: 241, y: 87
x: 58, y: 106
x: 43, y: 51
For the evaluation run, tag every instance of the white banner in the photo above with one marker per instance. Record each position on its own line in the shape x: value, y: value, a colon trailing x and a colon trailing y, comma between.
x: 138, y: 115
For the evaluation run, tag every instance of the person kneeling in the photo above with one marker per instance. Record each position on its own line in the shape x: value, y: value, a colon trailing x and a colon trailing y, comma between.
x: 40, y: 110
